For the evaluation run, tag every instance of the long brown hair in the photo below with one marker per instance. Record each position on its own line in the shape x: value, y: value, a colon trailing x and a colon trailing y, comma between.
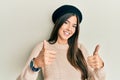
x: 74, y: 54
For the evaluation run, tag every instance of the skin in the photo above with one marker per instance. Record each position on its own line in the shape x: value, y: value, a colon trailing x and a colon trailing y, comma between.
x: 46, y: 57
x: 67, y: 30
x: 95, y: 60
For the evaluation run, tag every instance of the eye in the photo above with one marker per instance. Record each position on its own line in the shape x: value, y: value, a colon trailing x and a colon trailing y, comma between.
x: 75, y: 26
x: 66, y: 22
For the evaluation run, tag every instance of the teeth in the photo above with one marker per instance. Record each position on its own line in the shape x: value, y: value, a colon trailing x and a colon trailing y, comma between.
x: 67, y: 33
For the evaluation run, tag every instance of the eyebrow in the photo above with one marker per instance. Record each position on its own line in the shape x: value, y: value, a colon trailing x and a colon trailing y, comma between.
x: 69, y: 22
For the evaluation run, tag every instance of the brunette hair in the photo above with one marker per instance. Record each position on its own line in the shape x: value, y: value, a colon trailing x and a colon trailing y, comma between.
x: 74, y: 54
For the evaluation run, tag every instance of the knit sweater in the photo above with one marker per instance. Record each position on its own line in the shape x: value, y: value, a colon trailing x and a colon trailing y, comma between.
x: 60, y: 69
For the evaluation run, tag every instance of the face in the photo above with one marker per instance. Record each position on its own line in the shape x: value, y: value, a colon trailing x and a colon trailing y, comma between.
x: 67, y: 29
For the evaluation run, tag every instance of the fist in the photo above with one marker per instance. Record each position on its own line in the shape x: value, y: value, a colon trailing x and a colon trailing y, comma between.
x: 45, y: 57
x: 94, y: 61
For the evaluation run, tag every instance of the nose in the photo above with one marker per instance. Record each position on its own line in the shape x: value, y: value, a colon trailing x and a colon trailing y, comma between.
x: 70, y: 27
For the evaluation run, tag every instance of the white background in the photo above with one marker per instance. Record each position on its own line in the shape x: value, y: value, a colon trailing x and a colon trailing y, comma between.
x: 24, y: 23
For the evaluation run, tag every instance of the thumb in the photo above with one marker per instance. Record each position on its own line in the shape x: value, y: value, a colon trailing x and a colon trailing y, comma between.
x: 44, y: 44
x: 96, y: 50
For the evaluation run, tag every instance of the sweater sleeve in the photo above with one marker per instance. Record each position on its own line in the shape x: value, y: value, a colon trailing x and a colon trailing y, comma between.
x: 92, y: 74
x: 27, y: 73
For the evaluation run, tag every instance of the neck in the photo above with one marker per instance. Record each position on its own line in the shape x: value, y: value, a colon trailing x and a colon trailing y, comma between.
x: 62, y: 42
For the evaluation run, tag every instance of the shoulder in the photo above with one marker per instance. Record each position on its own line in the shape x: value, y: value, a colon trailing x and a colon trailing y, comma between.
x: 40, y: 45
x: 81, y: 46
x: 83, y: 49
x: 37, y: 48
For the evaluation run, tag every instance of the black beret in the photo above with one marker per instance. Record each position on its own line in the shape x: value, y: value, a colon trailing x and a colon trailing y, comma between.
x: 66, y: 9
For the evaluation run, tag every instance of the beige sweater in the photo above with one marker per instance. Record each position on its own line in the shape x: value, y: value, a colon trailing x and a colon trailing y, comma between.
x: 60, y: 69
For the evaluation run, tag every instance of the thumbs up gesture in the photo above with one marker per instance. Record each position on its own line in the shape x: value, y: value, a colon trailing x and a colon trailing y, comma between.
x: 95, y: 61
x: 45, y: 57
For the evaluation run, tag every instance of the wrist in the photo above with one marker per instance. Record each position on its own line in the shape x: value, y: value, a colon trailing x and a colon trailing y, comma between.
x: 34, y: 67
x: 38, y: 62
x: 35, y: 62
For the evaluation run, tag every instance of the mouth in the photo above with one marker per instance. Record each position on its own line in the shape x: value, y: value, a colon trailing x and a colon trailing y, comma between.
x: 66, y: 33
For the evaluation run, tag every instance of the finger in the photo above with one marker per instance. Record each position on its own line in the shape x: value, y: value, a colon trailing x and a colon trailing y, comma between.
x: 94, y: 64
x: 96, y: 50
x: 91, y: 58
x: 92, y: 61
x: 52, y: 52
x: 91, y: 65
x: 48, y: 61
x: 51, y: 59
x: 52, y: 56
x: 44, y: 45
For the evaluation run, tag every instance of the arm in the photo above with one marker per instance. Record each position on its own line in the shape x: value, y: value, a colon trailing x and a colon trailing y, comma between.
x: 27, y: 73
x: 94, y: 74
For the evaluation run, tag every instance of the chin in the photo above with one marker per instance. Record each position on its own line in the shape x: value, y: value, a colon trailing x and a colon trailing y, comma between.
x: 66, y: 38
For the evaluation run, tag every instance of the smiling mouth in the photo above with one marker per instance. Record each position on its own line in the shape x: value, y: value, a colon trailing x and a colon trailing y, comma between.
x: 66, y: 33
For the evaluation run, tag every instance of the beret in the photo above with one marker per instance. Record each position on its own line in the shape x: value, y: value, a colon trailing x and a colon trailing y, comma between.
x: 66, y: 9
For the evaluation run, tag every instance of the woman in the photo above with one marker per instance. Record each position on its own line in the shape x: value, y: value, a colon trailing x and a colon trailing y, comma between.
x: 62, y: 57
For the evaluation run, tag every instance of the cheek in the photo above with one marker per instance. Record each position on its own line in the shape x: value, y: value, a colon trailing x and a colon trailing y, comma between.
x: 73, y: 31
x: 59, y: 31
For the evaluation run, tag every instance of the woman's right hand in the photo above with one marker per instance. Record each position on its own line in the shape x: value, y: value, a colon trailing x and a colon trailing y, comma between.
x: 45, y: 57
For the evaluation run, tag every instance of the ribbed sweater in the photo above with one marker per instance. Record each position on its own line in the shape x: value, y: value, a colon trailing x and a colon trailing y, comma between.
x: 60, y: 69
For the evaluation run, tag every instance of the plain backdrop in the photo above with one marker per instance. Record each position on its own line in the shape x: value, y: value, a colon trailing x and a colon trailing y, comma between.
x: 25, y: 23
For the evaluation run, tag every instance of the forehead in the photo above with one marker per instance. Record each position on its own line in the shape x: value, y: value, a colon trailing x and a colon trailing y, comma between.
x: 72, y: 19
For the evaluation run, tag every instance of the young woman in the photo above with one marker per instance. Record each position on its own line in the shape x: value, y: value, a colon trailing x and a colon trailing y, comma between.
x: 62, y: 57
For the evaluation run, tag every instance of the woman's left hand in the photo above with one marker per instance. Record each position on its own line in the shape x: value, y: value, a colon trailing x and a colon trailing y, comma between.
x: 95, y: 61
